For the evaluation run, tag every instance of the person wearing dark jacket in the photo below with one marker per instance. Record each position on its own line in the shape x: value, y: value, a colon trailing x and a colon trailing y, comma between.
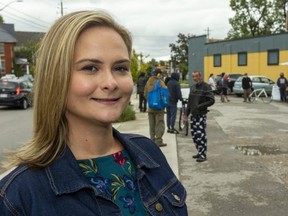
x: 282, y: 84
x: 141, y: 82
x: 175, y: 94
x: 246, y: 86
x: 200, y: 98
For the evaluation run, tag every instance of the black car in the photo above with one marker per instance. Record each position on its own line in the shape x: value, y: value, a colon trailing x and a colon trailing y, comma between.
x: 16, y: 93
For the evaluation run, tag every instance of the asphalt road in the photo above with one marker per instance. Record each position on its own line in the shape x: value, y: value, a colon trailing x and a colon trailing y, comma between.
x: 246, y: 173
x: 15, y: 128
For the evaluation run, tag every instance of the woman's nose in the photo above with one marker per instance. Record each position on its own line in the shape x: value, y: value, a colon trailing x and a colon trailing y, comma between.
x: 108, y: 81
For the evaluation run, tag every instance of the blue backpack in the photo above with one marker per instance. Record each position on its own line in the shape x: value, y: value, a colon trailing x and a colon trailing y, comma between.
x: 158, y: 97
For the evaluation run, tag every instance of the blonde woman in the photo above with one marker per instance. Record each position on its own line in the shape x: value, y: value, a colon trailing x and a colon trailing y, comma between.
x: 76, y: 163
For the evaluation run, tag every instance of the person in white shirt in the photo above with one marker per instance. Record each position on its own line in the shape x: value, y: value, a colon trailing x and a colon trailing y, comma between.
x: 211, y: 82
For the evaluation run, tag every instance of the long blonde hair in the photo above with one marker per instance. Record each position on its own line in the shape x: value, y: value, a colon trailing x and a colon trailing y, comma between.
x: 52, y: 78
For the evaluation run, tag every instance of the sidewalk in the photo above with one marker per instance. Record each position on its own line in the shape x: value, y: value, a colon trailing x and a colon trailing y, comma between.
x: 141, y: 126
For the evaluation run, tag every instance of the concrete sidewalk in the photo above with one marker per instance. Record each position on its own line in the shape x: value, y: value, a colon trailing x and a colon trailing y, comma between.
x: 141, y: 126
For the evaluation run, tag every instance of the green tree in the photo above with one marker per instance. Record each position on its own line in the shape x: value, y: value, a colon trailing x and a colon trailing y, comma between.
x: 179, y: 53
x: 1, y: 19
x: 28, y: 51
x: 257, y: 17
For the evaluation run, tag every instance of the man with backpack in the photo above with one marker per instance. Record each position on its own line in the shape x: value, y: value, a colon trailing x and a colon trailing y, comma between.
x: 156, y: 117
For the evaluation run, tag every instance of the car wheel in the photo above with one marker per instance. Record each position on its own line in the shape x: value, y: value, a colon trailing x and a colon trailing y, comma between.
x: 24, y: 104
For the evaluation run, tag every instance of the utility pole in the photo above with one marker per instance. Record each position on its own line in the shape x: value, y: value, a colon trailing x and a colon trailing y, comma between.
x: 286, y: 9
x: 208, y: 32
x: 61, y: 8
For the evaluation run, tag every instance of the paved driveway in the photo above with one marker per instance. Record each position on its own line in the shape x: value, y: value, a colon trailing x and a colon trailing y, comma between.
x: 246, y: 171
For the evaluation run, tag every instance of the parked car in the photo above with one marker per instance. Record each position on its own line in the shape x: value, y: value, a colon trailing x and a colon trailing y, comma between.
x: 16, y: 93
x: 258, y: 82
x: 28, y: 77
x: 232, y: 77
x: 8, y: 76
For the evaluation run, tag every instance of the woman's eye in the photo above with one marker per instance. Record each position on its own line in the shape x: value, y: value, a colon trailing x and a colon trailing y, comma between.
x: 122, y: 68
x: 90, y: 68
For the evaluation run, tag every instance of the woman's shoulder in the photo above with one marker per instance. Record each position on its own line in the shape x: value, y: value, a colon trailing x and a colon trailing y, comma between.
x: 19, y: 178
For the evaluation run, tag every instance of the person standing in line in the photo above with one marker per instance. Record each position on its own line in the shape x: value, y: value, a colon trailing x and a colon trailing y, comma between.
x: 224, y: 94
x: 174, y: 95
x: 200, y: 98
x: 76, y: 163
x: 141, y: 82
x: 156, y: 117
x: 247, y: 87
x: 282, y: 84
x: 211, y: 82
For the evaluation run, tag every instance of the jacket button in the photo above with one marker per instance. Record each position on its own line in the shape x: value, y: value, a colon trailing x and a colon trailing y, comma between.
x: 159, y: 207
x: 176, y: 197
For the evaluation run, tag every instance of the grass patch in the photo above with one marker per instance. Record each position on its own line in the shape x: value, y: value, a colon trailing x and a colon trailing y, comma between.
x: 128, y: 115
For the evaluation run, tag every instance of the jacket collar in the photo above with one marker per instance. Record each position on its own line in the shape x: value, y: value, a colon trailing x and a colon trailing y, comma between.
x: 65, y: 175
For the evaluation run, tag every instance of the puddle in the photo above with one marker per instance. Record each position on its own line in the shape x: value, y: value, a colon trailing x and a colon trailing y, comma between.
x: 260, y: 150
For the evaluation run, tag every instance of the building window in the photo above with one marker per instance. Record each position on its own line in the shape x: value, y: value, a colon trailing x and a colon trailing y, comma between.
x: 242, y: 59
x: 273, y: 57
x: 1, y: 48
x: 2, y: 66
x: 217, y: 60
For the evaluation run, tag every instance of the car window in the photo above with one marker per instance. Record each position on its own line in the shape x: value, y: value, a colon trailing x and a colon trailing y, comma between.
x: 264, y: 80
x: 234, y: 76
x: 23, y: 85
x: 8, y: 85
x: 256, y: 80
x: 271, y: 81
x: 239, y: 79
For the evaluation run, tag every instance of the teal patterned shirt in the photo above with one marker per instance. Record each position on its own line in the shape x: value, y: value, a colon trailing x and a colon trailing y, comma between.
x: 114, y: 176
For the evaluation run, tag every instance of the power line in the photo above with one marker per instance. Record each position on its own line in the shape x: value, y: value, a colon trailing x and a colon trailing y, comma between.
x: 25, y: 21
x: 34, y: 18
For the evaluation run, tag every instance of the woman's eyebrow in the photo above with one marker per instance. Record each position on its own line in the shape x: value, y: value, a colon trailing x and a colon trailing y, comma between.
x: 89, y: 60
x: 97, y: 61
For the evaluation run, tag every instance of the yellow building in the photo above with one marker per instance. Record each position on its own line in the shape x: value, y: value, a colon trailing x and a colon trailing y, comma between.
x: 264, y: 55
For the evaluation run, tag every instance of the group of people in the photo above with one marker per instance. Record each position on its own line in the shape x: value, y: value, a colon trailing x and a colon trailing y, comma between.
x: 247, y: 86
x: 221, y: 86
x: 200, y: 98
x: 156, y: 117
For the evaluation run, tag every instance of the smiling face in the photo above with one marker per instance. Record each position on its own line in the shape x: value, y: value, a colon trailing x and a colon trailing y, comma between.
x: 101, y: 82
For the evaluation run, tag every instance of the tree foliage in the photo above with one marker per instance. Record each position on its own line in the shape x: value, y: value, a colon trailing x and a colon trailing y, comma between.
x: 257, y: 17
x: 138, y: 65
x: 179, y: 52
x: 1, y: 19
x: 27, y: 51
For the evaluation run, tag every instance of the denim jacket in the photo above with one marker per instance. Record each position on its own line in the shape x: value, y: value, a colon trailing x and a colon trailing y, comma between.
x: 61, y: 188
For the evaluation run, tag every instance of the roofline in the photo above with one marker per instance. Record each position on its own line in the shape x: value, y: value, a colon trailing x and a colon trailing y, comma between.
x: 246, y: 38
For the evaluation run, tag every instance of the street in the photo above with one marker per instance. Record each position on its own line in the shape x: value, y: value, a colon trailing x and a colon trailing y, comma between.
x: 15, y: 128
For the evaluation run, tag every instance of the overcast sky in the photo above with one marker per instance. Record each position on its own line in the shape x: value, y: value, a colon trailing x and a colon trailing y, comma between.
x: 153, y: 23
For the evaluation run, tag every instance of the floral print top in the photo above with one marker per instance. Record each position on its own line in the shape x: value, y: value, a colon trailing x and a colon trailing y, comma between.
x: 114, y: 176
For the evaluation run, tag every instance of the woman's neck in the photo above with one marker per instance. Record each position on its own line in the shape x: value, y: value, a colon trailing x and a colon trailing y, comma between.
x: 92, y: 142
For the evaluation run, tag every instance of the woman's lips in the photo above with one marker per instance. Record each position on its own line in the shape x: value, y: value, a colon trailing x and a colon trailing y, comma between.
x: 106, y: 100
